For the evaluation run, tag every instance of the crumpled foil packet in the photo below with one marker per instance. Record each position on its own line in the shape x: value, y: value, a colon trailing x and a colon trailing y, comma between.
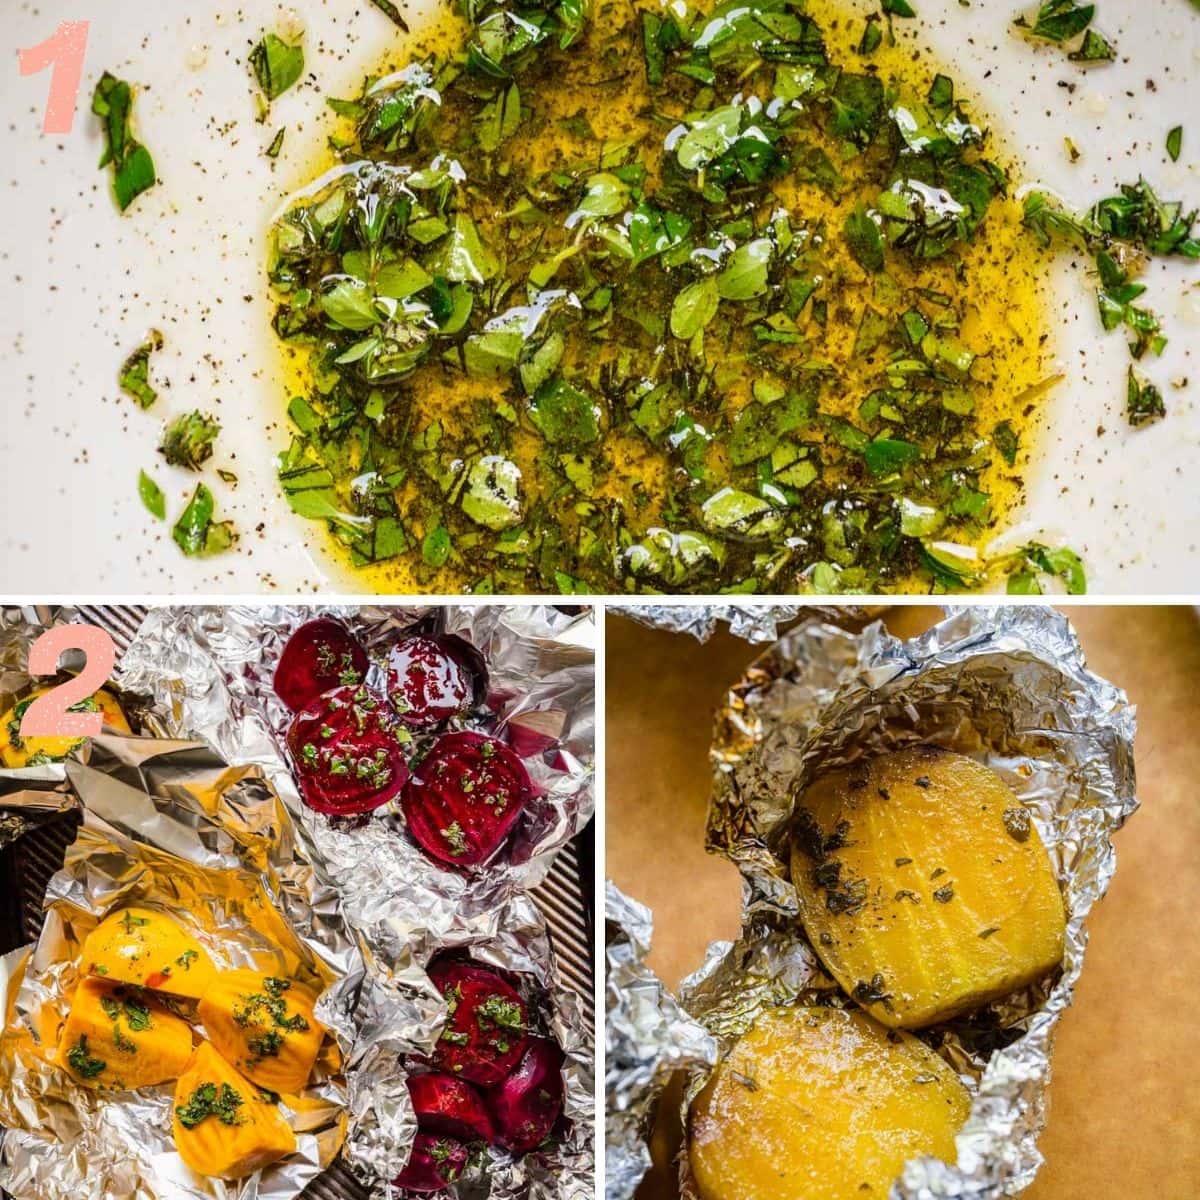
x: 1007, y: 685
x: 210, y: 671
x: 647, y: 1038
x: 206, y: 673
x: 169, y: 824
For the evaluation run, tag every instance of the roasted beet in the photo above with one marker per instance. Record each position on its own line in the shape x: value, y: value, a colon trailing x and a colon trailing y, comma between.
x: 450, y: 1106
x: 435, y: 1163
x: 348, y: 752
x: 431, y: 679
x: 527, y: 1105
x: 321, y: 655
x: 465, y: 798
x: 486, y: 1031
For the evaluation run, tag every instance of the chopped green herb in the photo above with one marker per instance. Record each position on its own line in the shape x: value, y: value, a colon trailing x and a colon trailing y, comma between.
x: 188, y: 440
x: 276, y: 65
x: 210, y: 1101
x: 276, y: 143
x: 1175, y: 142
x: 1143, y: 401
x: 135, y: 371
x: 152, y: 496
x: 82, y: 1063
x: 133, y: 168
x: 197, y: 533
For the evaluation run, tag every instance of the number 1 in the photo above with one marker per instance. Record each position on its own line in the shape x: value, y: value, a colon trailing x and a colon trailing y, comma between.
x: 64, y: 50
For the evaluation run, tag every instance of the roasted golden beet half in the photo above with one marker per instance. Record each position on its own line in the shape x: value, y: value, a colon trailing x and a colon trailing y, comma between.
x: 821, y: 1104
x: 119, y: 1037
x: 16, y: 751
x: 924, y: 885
x: 147, y: 949
x: 264, y: 1026
x: 222, y: 1124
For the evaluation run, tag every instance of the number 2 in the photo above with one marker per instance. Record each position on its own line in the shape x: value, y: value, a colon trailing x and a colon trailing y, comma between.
x: 47, y: 716
x: 64, y: 50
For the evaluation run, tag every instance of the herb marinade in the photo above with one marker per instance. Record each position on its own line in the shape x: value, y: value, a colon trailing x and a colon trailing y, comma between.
x: 734, y: 302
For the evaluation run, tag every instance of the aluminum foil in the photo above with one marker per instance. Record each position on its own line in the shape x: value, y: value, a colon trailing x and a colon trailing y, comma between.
x: 205, y: 674
x: 209, y: 672
x: 172, y: 825
x: 647, y: 1038
x: 1007, y: 685
x: 755, y: 622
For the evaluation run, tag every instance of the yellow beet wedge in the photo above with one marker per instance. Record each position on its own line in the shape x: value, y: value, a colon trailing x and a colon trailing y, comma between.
x: 924, y: 885
x: 16, y: 751
x: 264, y: 1026
x: 222, y: 1125
x: 148, y: 949
x: 119, y: 1037
x: 821, y: 1104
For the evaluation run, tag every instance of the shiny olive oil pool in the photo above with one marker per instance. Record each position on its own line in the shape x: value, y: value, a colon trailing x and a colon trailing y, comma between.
x: 851, y: 415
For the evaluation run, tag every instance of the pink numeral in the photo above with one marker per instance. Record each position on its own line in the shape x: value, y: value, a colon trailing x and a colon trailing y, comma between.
x: 47, y: 716
x: 64, y: 51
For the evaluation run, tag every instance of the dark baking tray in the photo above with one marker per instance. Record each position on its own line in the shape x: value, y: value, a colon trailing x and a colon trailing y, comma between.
x: 28, y: 862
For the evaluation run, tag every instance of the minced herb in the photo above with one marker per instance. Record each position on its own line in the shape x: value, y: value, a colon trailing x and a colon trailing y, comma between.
x: 132, y: 167
x: 135, y: 371
x: 1143, y: 401
x: 619, y: 367
x: 276, y: 65
x: 496, y: 1010
x: 82, y: 1063
x: 197, y: 532
x: 152, y: 496
x: 188, y: 440
x: 210, y: 1101
x: 455, y: 838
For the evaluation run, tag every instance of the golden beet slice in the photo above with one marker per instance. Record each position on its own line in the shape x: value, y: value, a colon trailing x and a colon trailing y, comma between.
x: 119, y: 1037
x: 264, y: 1026
x: 223, y: 1126
x: 148, y: 949
x: 924, y: 885
x: 16, y: 751
x: 821, y: 1104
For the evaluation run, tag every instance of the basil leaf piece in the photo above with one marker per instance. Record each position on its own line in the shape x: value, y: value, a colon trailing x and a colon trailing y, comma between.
x: 133, y: 168
x: 1175, y: 142
x: 898, y: 8
x: 134, y: 377
x: 887, y: 456
x: 492, y: 497
x: 1143, y: 400
x: 276, y: 65
x: 864, y: 238
x: 436, y: 546
x: 188, y: 440
x: 392, y: 13
x: 694, y: 307
x: 152, y: 496
x: 744, y: 275
x: 565, y: 415
x: 1060, y: 20
x: 652, y: 231
x: 196, y: 532
x: 1095, y: 47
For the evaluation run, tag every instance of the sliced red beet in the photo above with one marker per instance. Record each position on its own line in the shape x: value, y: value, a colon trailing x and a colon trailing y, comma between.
x: 465, y: 797
x: 433, y: 678
x: 348, y: 752
x: 450, y: 1106
x: 320, y: 656
x: 435, y: 1163
x: 486, y: 1031
x: 527, y: 1105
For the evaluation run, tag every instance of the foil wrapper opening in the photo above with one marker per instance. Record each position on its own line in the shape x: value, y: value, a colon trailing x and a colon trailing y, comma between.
x: 647, y: 1038
x: 1010, y: 687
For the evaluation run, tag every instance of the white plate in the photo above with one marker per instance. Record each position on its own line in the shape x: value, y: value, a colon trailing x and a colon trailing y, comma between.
x: 82, y: 285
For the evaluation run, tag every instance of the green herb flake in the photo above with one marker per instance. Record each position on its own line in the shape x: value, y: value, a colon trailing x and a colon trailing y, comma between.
x: 82, y: 1063
x: 134, y: 376
x: 1143, y: 400
x: 132, y: 167
x: 197, y: 533
x: 188, y: 440
x: 276, y: 65
x: 207, y: 1101
x: 1175, y: 142
x: 152, y: 496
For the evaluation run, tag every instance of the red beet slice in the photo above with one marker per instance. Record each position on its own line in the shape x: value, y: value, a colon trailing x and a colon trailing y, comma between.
x: 450, y: 1106
x: 431, y: 679
x: 347, y: 752
x: 465, y: 797
x: 321, y: 655
x: 435, y: 1163
x: 486, y: 1032
x: 527, y: 1105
